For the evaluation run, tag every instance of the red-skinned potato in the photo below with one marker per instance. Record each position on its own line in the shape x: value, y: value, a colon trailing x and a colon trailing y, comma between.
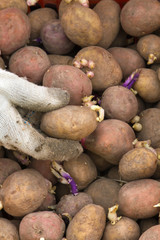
x: 69, y: 78
x: 38, y: 225
x: 14, y: 30
x: 8, y: 230
x: 30, y: 62
x: 107, y: 71
x: 147, y: 194
x: 139, y: 17
x: 111, y: 139
x: 153, y: 233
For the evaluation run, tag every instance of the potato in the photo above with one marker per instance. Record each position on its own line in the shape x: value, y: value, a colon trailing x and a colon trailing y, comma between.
x: 128, y: 59
x: 121, y: 39
x: 38, y: 18
x: 23, y: 192
x: 38, y: 225
x: 14, y: 30
x: 109, y: 14
x: 54, y: 39
x: 71, y: 204
x: 145, y: 224
x: 137, y: 198
x: 30, y: 62
x: 63, y: 5
x: 69, y: 78
x: 104, y: 192
x: 126, y: 228
x: 120, y: 103
x: 113, y: 173
x: 137, y: 163
x: 88, y: 223
x: 85, y: 168
x: 152, y: 233
x: 107, y: 71
x: 21, y: 4
x: 7, y: 167
x: 8, y: 230
x: 148, y: 85
x: 148, y: 46
x: 56, y: 59
x: 48, y: 203
x: 156, y: 174
x: 89, y: 30
x: 79, y: 122
x: 2, y: 63
x: 111, y: 139
x: 139, y: 17
x: 150, y: 121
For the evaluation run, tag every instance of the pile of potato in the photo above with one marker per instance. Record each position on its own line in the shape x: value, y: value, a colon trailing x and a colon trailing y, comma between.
x: 89, y: 51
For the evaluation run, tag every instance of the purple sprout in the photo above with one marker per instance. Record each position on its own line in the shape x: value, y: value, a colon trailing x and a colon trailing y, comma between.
x: 72, y: 183
x: 131, y: 79
x: 38, y: 40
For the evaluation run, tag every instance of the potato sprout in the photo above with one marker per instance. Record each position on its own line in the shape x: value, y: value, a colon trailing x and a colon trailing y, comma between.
x: 112, y: 214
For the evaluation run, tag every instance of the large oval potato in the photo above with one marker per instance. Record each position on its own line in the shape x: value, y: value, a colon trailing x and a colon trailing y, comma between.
x: 79, y: 122
x: 88, y: 223
x: 137, y: 198
x: 82, y: 25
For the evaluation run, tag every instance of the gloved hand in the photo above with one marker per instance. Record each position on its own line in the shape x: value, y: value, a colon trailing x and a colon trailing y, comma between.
x: 16, y: 134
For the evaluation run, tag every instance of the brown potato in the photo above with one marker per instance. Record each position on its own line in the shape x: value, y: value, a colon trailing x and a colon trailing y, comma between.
x: 8, y: 230
x: 137, y: 198
x: 136, y: 17
x: 109, y: 14
x: 151, y: 234
x: 120, y: 103
x: 21, y: 4
x: 23, y: 192
x: 145, y: 224
x: 85, y: 168
x: 63, y: 5
x: 38, y: 18
x: 156, y: 174
x: 80, y: 121
x: 89, y: 30
x: 88, y: 223
x: 113, y: 173
x: 126, y: 228
x: 111, y: 139
x: 104, y: 192
x: 2, y: 63
x: 107, y: 71
x: 148, y: 47
x: 137, y: 163
x: 128, y: 59
x: 60, y: 59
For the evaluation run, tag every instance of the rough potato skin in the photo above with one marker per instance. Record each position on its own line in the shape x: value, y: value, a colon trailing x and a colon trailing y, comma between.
x: 137, y: 163
x: 45, y: 224
x: 14, y: 30
x: 139, y: 17
x: 21, y: 4
x: 23, y: 192
x: 107, y: 71
x: 108, y: 12
x: 137, y: 198
x: 152, y: 233
x: 88, y: 223
x: 82, y: 25
x: 8, y: 230
x: 126, y: 228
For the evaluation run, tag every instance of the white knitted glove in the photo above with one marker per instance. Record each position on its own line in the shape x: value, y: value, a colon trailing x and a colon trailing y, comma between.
x: 16, y: 134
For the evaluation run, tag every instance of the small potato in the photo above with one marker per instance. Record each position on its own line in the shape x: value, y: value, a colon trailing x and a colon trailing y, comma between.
x: 80, y: 121
x: 54, y: 39
x: 30, y: 62
x: 104, y: 192
x: 88, y: 223
x: 41, y: 225
x: 21, y: 4
x: 72, y: 204
x: 8, y: 230
x: 38, y: 18
x: 111, y: 139
x: 136, y: 17
x: 120, y: 103
x: 60, y: 59
x: 153, y: 233
x: 14, y: 30
x: 107, y: 71
x: 109, y: 14
x: 48, y: 203
x: 137, y: 198
x: 148, y: 47
x: 113, y: 173
x: 69, y: 78
x: 128, y: 59
x: 89, y: 30
x: 126, y: 228
x: 121, y: 39
x: 148, y: 85
x: 85, y: 168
